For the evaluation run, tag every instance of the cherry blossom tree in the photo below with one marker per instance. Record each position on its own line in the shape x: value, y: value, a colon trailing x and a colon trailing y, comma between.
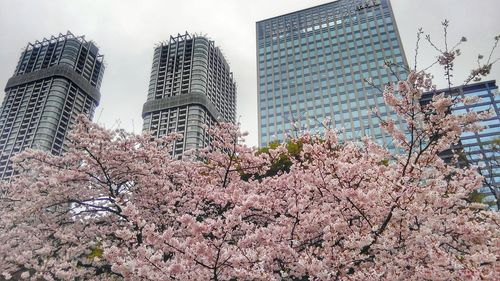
x: 118, y: 206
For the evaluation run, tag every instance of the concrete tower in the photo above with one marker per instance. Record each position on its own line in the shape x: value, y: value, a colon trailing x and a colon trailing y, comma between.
x: 55, y: 80
x: 191, y: 87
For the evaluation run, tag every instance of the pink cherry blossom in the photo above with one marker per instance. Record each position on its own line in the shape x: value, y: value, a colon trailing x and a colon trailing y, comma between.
x: 118, y: 206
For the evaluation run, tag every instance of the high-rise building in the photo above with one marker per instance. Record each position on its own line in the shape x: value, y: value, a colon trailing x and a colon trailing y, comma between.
x: 191, y: 87
x: 315, y: 65
x: 55, y: 80
x: 481, y: 148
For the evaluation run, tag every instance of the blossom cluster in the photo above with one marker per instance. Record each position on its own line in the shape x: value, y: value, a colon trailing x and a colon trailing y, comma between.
x: 118, y: 206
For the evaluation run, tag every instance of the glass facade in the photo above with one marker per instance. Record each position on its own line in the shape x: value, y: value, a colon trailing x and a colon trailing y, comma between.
x: 55, y: 80
x: 191, y: 87
x: 313, y: 67
x: 481, y: 148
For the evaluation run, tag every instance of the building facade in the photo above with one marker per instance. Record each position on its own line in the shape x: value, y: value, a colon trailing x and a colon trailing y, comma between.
x: 482, y: 148
x: 191, y: 87
x: 314, y: 67
x: 55, y: 80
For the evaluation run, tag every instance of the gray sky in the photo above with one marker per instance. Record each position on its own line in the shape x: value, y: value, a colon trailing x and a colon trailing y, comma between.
x: 126, y: 32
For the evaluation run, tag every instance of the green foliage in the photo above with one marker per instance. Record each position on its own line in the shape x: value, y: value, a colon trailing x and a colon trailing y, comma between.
x: 282, y: 163
x: 96, y: 252
x: 478, y: 197
x: 495, y: 145
x: 385, y: 162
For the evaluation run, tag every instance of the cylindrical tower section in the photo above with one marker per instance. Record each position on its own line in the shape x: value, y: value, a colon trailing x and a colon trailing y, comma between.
x: 199, y: 72
x: 51, y: 114
x: 154, y: 73
x: 197, y: 121
x: 70, y: 51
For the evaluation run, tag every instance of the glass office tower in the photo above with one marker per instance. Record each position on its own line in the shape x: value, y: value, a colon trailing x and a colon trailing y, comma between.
x: 55, y: 80
x: 191, y: 87
x: 313, y: 65
x: 482, y: 148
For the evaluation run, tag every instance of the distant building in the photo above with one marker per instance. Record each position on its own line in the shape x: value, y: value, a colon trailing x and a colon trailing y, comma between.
x: 313, y: 65
x: 191, y: 87
x: 482, y: 148
x: 55, y: 80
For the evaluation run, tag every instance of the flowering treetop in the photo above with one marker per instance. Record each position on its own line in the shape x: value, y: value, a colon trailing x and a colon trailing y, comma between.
x: 117, y: 206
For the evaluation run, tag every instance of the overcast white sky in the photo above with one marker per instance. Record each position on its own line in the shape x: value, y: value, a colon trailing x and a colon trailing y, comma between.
x: 126, y: 32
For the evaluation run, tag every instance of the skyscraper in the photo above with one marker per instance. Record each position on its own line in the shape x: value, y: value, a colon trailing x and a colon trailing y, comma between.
x: 481, y: 148
x: 314, y: 64
x: 191, y: 87
x: 55, y: 80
